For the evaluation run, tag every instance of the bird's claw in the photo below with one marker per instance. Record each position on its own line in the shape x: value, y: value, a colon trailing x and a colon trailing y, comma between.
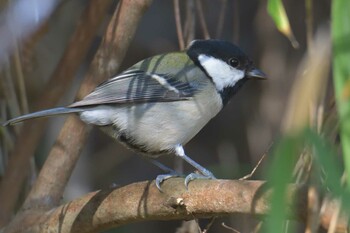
x: 194, y: 176
x: 206, y: 174
x: 161, y: 178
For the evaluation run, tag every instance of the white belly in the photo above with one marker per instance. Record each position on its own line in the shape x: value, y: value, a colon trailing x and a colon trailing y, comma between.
x: 158, y: 126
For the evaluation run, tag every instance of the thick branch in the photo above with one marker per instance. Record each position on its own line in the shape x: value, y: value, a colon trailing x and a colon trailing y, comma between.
x: 142, y: 201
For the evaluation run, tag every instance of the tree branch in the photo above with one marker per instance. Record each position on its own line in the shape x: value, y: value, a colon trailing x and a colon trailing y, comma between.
x: 105, y: 209
x: 179, y: 29
x: 142, y: 201
x: 202, y: 21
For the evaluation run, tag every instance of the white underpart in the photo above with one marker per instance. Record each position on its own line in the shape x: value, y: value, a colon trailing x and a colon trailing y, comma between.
x: 158, y: 126
x: 101, y: 115
x: 162, y: 81
x: 223, y: 75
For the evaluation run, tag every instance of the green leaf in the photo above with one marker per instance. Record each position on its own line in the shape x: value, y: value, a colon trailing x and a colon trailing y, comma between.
x: 326, y: 158
x: 276, y: 10
x: 341, y: 72
x: 280, y: 173
x: 284, y: 159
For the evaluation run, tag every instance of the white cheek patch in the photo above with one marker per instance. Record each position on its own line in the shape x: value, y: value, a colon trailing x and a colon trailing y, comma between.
x: 222, y: 74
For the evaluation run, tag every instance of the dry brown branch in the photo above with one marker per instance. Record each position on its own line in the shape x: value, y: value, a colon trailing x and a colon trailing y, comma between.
x: 189, y: 29
x: 20, y: 80
x: 248, y: 176
x: 76, y: 51
x: 202, y: 21
x: 236, y: 21
x: 229, y: 228
x: 142, y: 201
x: 8, y: 88
x: 309, y: 23
x: 54, y: 176
x: 221, y: 19
x: 312, y: 220
x: 179, y: 30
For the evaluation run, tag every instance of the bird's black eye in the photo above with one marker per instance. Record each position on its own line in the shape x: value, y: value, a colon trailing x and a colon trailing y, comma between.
x: 233, y: 62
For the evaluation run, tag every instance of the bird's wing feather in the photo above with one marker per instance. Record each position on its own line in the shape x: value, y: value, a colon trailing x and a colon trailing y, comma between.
x: 138, y: 86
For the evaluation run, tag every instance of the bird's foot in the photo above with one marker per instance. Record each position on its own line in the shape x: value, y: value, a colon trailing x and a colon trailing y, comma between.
x: 161, y: 178
x: 194, y: 176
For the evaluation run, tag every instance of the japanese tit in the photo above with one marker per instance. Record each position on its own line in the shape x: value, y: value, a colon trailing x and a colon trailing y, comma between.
x: 157, y: 105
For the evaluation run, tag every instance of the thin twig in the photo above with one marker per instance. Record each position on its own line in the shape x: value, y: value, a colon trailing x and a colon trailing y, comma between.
x: 235, y: 21
x: 229, y: 228
x: 179, y: 31
x: 197, y: 224
x: 20, y: 80
x: 221, y: 19
x: 10, y: 92
x: 202, y: 21
x: 254, y: 169
x: 22, y: 93
x: 258, y: 164
x: 190, y: 23
x: 209, y: 225
x: 7, y: 142
x: 312, y: 220
x: 309, y: 24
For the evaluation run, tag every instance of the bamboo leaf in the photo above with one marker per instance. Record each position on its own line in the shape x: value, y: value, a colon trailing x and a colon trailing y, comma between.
x: 341, y: 72
x: 278, y: 13
x: 284, y: 159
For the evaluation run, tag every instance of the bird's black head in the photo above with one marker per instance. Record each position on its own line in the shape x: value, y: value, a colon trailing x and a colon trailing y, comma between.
x: 225, y: 64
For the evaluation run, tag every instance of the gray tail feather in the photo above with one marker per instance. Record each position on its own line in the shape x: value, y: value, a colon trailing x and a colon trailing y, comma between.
x: 43, y: 113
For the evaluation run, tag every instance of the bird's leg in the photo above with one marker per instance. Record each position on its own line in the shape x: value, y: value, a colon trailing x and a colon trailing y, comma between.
x: 205, y: 173
x: 179, y: 151
x: 161, y: 178
x: 162, y: 166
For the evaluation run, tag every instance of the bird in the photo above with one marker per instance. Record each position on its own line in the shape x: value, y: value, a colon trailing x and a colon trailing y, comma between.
x: 159, y: 104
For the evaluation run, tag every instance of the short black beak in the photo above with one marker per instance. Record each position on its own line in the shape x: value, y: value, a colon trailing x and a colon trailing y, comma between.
x: 256, y: 74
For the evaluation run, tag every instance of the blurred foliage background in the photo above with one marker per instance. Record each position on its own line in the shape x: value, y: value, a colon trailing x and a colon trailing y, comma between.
x: 294, y: 96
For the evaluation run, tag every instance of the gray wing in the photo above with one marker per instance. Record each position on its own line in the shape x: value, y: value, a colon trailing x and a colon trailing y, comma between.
x: 138, y: 86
